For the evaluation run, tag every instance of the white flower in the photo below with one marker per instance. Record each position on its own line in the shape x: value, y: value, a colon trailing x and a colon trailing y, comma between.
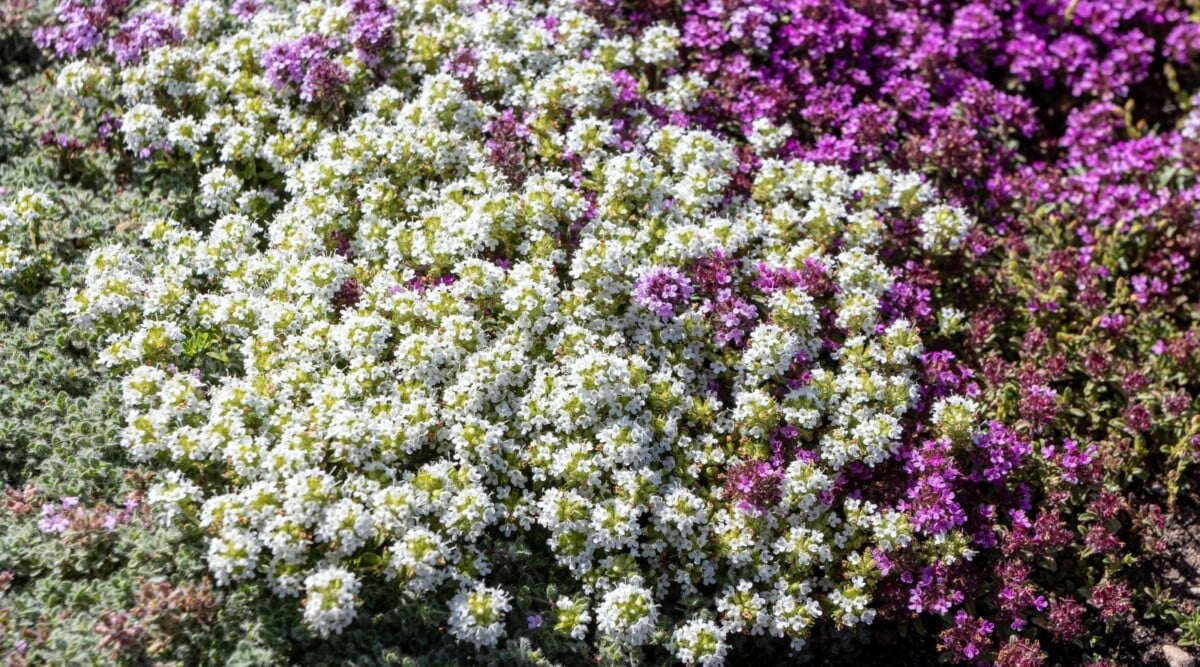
x: 20, y: 227
x: 219, y: 189
x: 330, y: 600
x: 572, y: 617
x: 658, y: 45
x: 233, y: 555
x: 767, y: 137
x: 955, y: 417
x: 477, y: 615
x: 700, y: 642
x: 944, y: 227
x: 628, y: 613
x: 175, y: 495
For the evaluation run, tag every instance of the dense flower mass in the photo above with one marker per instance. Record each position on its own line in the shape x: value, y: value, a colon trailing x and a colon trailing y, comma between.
x: 728, y: 319
x: 612, y: 359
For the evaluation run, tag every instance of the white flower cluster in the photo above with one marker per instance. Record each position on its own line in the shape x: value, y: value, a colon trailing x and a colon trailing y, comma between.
x: 944, y: 226
x: 628, y: 613
x: 477, y: 615
x: 21, y: 218
x: 422, y: 358
x: 700, y: 642
x: 956, y: 418
x: 329, y: 603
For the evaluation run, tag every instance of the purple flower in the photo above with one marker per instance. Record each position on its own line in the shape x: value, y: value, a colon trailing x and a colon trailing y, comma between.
x: 968, y: 637
x: 373, y: 30
x: 63, y: 142
x: 289, y: 63
x: 755, y: 485
x: 944, y: 376
x: 662, y: 290
x: 141, y: 33
x: 323, y: 81
x: 1005, y: 451
x: 730, y: 316
x: 775, y: 279
x: 1113, y: 324
x: 1038, y: 405
x: 245, y: 9
x: 107, y: 127
x: 81, y: 26
x: 423, y: 282
x: 534, y: 622
x: 933, y: 591
x: 1072, y: 460
x: 627, y: 86
x: 52, y: 521
x: 930, y: 499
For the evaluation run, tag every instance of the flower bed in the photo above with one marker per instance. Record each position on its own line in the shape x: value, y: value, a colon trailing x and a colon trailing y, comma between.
x: 739, y: 324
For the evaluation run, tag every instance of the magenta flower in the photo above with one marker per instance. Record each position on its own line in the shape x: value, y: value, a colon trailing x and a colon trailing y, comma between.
x: 1020, y: 652
x: 755, y: 485
x: 1066, y: 619
x: 1038, y: 405
x: 1137, y: 418
x: 1112, y: 600
x: 968, y: 638
x: 347, y: 295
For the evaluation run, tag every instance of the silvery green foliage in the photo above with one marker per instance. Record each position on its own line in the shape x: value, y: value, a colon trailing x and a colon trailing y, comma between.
x: 465, y: 376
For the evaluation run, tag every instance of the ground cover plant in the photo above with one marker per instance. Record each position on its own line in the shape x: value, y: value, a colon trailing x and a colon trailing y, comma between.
x: 605, y: 332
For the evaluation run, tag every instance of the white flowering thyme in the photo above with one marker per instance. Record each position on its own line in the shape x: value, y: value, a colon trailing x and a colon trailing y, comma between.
x: 454, y: 312
x: 21, y: 218
x: 477, y: 615
x: 628, y: 613
x: 700, y: 642
x: 330, y: 597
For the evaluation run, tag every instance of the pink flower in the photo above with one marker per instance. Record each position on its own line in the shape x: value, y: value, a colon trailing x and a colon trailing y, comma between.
x: 52, y: 521
x: 1112, y: 600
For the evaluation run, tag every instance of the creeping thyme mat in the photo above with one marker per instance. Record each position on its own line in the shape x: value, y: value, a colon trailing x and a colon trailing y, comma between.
x: 587, y: 331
